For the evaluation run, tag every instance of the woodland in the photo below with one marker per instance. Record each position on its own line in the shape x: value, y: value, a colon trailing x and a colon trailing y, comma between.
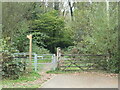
x: 89, y: 27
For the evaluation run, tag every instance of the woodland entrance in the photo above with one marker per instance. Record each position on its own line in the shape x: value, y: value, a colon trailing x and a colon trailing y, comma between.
x: 81, y: 62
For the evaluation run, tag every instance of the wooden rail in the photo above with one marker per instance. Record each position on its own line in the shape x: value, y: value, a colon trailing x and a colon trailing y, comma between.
x: 79, y: 61
x: 84, y: 55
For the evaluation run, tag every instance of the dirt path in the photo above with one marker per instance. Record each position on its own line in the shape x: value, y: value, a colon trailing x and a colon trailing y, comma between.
x: 82, y: 80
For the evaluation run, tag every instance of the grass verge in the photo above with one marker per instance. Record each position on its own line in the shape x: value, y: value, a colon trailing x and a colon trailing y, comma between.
x: 22, y: 79
x: 68, y: 72
x: 60, y: 72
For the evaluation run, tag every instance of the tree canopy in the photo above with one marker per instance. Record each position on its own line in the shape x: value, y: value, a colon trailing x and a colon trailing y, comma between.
x: 93, y: 28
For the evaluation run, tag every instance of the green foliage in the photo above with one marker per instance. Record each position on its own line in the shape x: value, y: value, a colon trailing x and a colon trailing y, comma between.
x: 93, y: 30
x: 40, y: 50
x: 12, y: 17
x: 47, y: 27
x: 113, y: 64
x: 96, y: 31
x: 11, y: 67
x: 15, y: 18
x: 48, y: 30
x: 20, y: 40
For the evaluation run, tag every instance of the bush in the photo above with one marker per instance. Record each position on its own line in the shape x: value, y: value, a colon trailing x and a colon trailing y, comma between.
x: 40, y: 50
x: 69, y: 49
x: 113, y: 64
x: 11, y: 67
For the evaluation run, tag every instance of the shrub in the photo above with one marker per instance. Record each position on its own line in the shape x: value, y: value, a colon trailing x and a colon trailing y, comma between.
x: 113, y: 64
x: 11, y: 67
x: 40, y: 50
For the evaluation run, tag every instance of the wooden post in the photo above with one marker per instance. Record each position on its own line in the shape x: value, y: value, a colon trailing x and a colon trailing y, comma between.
x: 30, y: 51
x: 58, y: 53
x: 58, y: 57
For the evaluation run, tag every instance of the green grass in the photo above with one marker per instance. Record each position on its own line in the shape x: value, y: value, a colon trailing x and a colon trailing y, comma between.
x: 68, y: 72
x: 24, y: 78
x: 56, y: 72
x: 44, y: 61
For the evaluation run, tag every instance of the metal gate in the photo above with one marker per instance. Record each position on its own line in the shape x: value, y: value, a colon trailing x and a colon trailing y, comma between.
x: 44, y: 59
x: 37, y: 59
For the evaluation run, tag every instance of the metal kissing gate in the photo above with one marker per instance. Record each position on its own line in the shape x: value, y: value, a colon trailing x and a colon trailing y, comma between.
x: 44, y: 59
x: 37, y: 59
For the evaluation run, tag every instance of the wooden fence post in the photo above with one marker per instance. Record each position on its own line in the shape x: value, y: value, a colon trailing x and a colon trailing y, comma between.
x: 30, y: 51
x: 58, y: 56
x: 58, y: 53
